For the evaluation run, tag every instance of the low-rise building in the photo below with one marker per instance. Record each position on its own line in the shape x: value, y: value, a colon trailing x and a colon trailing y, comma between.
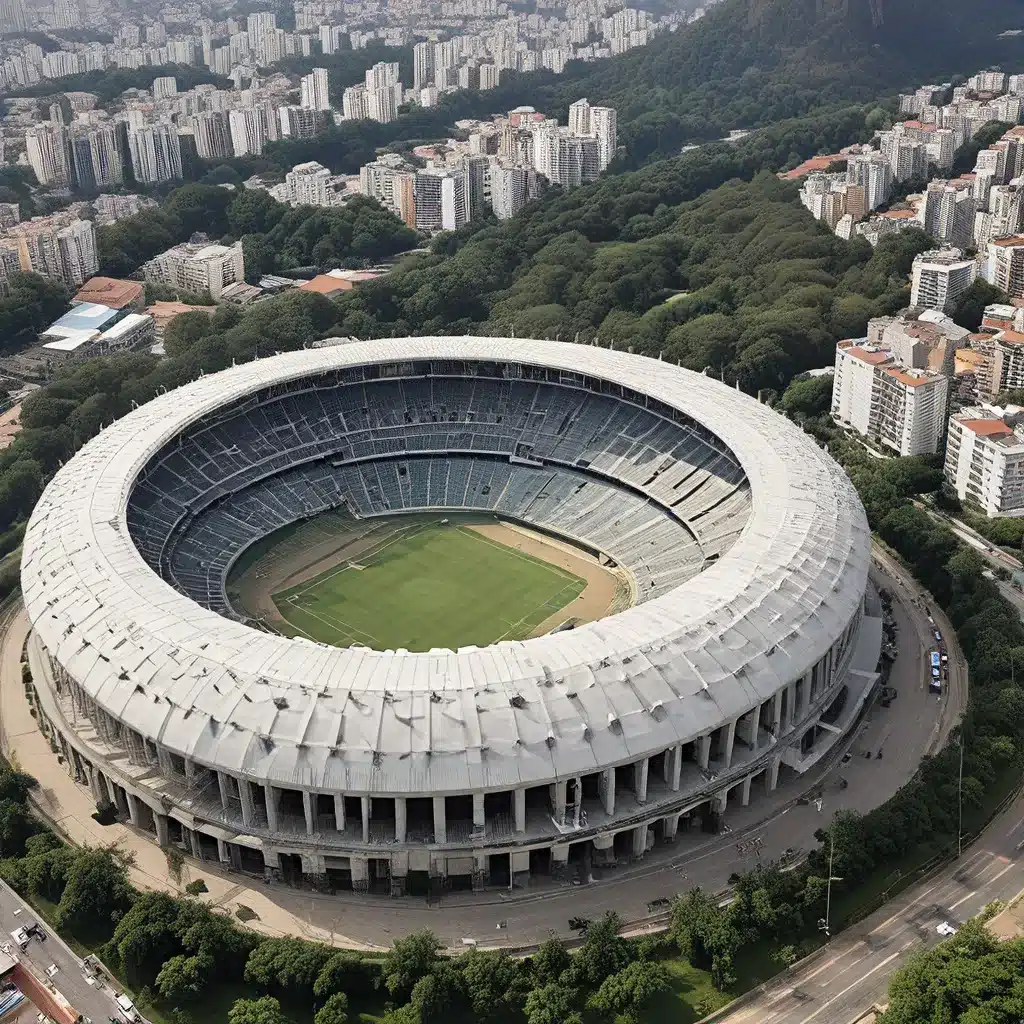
x: 198, y: 268
x: 113, y: 293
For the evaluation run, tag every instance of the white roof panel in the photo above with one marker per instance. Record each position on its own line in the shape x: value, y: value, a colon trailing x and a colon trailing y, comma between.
x: 424, y: 723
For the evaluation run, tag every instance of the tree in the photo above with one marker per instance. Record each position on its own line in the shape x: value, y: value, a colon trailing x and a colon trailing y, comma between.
x: 496, y: 985
x: 334, y: 1010
x: 97, y: 894
x: 550, y: 960
x: 266, y: 1010
x: 604, y: 952
x: 409, y: 959
x: 287, y: 963
x: 551, y: 1004
x: 346, y: 971
x: 183, y: 978
x: 16, y: 825
x: 808, y: 396
x: 631, y: 988
x: 970, y: 307
x: 146, y: 937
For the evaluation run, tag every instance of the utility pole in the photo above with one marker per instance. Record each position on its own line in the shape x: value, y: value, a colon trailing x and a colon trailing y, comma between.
x: 828, y: 890
x: 960, y: 799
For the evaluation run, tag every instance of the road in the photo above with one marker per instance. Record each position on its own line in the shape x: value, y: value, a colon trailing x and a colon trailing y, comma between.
x: 851, y: 973
x: 95, y: 1000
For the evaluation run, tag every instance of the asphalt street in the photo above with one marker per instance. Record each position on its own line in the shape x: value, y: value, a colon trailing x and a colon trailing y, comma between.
x: 95, y: 1000
x: 851, y: 973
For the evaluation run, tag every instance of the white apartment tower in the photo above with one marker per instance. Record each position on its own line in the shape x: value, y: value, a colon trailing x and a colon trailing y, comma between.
x: 985, y: 462
x: 313, y: 88
x: 353, y: 103
x: 422, y: 65
x: 47, y: 150
x: 298, y: 122
x: 155, y: 153
x: 940, y: 277
x: 248, y: 130
x: 212, y: 135
x: 872, y: 172
x: 1006, y: 265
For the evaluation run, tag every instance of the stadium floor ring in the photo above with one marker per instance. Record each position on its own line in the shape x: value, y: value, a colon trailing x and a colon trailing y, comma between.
x: 746, y: 650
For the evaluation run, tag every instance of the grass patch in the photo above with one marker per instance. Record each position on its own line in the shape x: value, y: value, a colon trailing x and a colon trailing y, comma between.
x: 430, y: 586
x: 690, y: 996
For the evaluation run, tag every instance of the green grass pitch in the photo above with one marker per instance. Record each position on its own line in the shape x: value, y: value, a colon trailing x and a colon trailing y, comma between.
x: 430, y: 586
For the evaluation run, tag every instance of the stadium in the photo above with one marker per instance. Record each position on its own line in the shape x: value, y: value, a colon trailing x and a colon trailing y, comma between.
x: 445, y: 612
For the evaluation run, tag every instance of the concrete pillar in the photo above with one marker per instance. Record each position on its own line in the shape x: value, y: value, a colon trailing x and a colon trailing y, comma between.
x: 440, y: 829
x: 640, y: 770
x: 193, y: 839
x: 98, y: 791
x: 249, y: 803
x: 558, y: 801
x: 271, y: 795
x: 222, y: 852
x: 719, y: 802
x: 730, y: 742
x: 520, y: 862
x: 365, y: 808
x: 163, y: 836
x: 478, y: 811
x: 777, y: 714
x: 225, y: 791
x: 771, y: 776
x: 805, y: 699
x: 360, y: 873
x: 133, y: 808
x: 671, y: 826
x: 677, y: 766
x: 704, y: 751
x: 790, y: 704
x: 111, y: 791
x: 559, y: 855
x: 577, y: 801
x: 608, y: 790
x: 339, y: 812
x: 519, y: 801
x: 639, y: 840
x: 400, y: 826
x: 309, y: 807
x: 745, y: 790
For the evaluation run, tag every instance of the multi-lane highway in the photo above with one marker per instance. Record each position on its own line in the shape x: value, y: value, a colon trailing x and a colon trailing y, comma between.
x: 851, y: 973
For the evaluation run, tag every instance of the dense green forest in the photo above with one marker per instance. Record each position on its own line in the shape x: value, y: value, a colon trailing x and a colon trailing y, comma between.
x: 275, y: 237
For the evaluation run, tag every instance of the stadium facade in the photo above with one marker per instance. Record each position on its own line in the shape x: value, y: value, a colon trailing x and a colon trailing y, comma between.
x: 747, y: 651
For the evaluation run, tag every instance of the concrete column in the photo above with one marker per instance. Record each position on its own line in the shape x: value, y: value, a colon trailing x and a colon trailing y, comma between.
x: 133, y: 808
x: 400, y: 826
x: 805, y: 700
x: 440, y: 829
x: 671, y: 826
x: 559, y: 855
x: 193, y: 838
x: 309, y: 807
x: 365, y: 808
x: 608, y: 790
x: 163, y: 836
x: 640, y: 770
x: 577, y: 805
x: 249, y: 803
x: 558, y: 801
x: 639, y: 840
x: 339, y: 812
x: 719, y: 802
x: 360, y: 873
x: 730, y: 742
x: 222, y: 852
x: 745, y: 790
x: 677, y: 766
x: 704, y: 751
x: 271, y: 794
x: 478, y: 811
x: 771, y: 777
x: 519, y: 801
x: 790, y: 704
x: 98, y: 793
x: 225, y: 791
x: 777, y: 714
x: 111, y: 791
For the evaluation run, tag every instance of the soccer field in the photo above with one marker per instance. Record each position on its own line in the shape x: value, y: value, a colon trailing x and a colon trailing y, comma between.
x: 430, y: 585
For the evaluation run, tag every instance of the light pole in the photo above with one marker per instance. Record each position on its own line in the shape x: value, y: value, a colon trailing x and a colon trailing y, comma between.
x: 824, y: 923
x: 960, y: 800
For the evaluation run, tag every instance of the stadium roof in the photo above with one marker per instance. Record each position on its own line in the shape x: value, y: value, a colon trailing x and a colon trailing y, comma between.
x: 305, y: 715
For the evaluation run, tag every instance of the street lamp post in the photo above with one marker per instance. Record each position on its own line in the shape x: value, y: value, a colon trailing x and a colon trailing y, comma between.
x: 960, y: 800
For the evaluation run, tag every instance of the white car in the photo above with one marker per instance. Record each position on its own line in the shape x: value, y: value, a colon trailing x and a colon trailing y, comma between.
x: 946, y: 929
x: 127, y: 1007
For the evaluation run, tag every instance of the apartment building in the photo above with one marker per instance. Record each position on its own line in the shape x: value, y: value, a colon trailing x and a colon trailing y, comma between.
x: 985, y: 461
x: 902, y: 408
x: 1006, y: 265
x: 198, y: 268
x: 940, y: 277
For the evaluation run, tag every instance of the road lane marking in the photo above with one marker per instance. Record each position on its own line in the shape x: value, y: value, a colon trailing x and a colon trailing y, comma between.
x: 888, y: 960
x: 988, y: 882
